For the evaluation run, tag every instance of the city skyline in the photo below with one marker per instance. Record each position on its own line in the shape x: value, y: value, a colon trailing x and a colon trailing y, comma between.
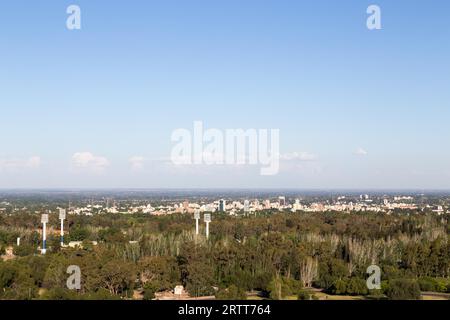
x: 96, y: 107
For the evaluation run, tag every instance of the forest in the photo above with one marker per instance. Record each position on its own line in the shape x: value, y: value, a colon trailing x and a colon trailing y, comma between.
x: 278, y: 255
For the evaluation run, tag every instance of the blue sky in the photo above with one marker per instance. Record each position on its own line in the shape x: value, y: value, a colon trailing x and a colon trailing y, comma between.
x: 371, y: 108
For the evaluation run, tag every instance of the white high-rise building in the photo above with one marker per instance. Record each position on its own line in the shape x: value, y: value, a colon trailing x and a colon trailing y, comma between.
x: 297, y: 206
x: 246, y: 206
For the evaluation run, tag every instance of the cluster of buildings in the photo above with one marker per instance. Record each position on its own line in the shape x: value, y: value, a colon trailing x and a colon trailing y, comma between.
x: 239, y: 207
x: 378, y: 204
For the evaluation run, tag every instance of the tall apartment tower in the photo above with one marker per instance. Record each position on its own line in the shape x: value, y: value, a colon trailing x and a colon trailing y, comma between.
x: 246, y: 206
x: 282, y: 201
x: 222, y: 205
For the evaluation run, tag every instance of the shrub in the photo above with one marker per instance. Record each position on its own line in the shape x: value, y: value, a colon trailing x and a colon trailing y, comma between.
x: 231, y: 293
x: 428, y: 284
x: 357, y: 286
x: 304, y: 295
x: 24, y: 250
x: 403, y: 289
x: 442, y: 284
x: 101, y: 294
x: 60, y: 294
x: 150, y: 288
x: 339, y: 287
x: 280, y: 288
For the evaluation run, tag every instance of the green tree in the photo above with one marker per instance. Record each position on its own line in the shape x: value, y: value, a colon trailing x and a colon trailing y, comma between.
x: 339, y: 287
x: 200, y: 279
x: 25, y: 250
x: 118, y: 277
x: 150, y: 288
x: 279, y: 288
x: 357, y: 286
x: 403, y: 289
x: 231, y: 293
x: 79, y: 234
x: 162, y: 271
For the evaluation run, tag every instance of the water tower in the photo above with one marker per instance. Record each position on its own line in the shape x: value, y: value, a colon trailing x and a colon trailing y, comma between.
x: 62, y: 217
x: 207, y: 219
x: 44, y: 221
x: 197, y: 218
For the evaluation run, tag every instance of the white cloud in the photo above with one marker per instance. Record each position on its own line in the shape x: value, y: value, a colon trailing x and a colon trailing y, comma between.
x: 300, y: 156
x: 137, y: 163
x: 90, y: 162
x: 34, y: 162
x: 300, y: 163
x: 16, y: 164
x: 360, y: 152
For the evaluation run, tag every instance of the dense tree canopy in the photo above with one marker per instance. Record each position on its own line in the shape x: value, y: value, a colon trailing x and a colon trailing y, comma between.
x: 278, y: 254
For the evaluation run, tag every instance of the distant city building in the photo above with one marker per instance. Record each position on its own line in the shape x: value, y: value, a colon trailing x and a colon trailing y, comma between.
x: 222, y: 205
x: 110, y: 203
x: 297, y: 206
x: 439, y: 210
x: 282, y: 201
x: 246, y: 206
x: 234, y: 207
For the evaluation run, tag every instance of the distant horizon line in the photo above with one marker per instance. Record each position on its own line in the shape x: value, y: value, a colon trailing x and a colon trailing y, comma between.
x: 216, y: 188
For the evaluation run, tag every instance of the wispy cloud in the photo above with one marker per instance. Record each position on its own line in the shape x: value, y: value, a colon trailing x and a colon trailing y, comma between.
x: 137, y: 163
x: 17, y: 164
x: 33, y: 162
x: 300, y: 162
x: 300, y: 156
x: 87, y: 161
x: 360, y: 152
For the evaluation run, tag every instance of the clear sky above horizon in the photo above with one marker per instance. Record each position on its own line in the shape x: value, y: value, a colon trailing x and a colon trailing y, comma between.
x: 96, y: 107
